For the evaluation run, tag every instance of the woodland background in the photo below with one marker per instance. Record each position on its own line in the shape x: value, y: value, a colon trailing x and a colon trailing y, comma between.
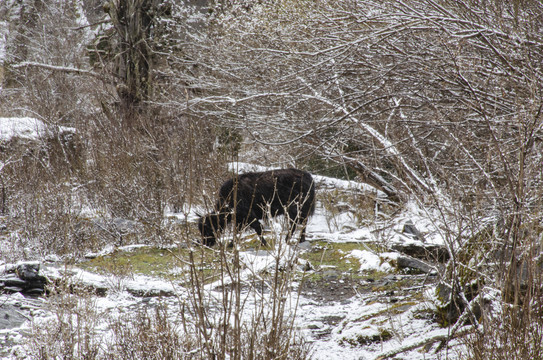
x: 434, y: 100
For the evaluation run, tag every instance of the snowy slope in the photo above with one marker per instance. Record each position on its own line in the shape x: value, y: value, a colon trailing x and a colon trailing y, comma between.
x: 365, y: 325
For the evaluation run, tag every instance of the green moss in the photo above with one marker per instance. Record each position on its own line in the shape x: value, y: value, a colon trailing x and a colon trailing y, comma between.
x: 393, y: 309
x: 393, y: 285
x: 335, y: 255
x: 150, y: 261
x: 329, y: 259
x: 424, y: 314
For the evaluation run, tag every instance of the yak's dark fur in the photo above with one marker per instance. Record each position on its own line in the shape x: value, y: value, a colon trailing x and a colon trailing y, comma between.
x: 246, y: 199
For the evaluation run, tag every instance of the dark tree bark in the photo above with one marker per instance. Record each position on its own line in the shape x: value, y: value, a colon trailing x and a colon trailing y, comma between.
x: 133, y: 21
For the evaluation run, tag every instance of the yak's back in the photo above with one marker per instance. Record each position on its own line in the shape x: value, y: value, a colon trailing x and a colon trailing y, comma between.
x: 291, y: 180
x: 265, y: 185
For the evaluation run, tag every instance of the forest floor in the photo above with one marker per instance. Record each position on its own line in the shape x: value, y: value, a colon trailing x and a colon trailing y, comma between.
x: 351, y: 297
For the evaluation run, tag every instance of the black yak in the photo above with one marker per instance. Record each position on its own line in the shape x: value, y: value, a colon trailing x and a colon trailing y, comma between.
x: 248, y: 198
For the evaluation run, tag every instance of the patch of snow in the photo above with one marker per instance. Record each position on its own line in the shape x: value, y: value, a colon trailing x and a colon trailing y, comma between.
x: 134, y: 283
x: 177, y: 270
x: 27, y: 128
x: 241, y: 167
x: 340, y: 227
x: 370, y: 261
x: 188, y: 213
x: 256, y: 262
x: 362, y: 318
x: 3, y: 39
x: 109, y: 249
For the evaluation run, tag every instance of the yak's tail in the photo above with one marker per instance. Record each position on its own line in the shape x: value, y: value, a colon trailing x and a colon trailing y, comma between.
x: 310, y: 195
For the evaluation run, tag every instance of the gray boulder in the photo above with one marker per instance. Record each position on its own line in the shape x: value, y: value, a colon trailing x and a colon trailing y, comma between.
x: 23, y: 277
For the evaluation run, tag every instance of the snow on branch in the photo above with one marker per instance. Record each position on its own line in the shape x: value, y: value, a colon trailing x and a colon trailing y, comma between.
x: 65, y: 69
x: 372, y: 178
x: 385, y: 142
x: 424, y: 342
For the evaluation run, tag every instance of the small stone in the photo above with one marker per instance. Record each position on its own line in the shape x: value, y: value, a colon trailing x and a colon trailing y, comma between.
x: 412, y: 263
x: 28, y: 271
x: 409, y: 229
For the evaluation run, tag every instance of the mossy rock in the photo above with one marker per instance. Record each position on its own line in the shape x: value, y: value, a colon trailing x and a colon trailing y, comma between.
x: 363, y: 340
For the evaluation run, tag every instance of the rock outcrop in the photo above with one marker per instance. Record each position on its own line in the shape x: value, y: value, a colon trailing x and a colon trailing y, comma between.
x: 23, y: 277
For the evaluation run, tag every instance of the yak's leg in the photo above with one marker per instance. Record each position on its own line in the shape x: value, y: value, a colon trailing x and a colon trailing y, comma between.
x: 255, y: 225
x: 305, y: 219
x: 302, y: 232
x: 296, y: 219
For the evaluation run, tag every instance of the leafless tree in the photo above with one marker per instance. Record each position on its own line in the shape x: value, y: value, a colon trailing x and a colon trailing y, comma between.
x: 437, y: 100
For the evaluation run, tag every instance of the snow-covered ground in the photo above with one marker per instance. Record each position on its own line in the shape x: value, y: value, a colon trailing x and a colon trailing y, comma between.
x: 27, y: 128
x: 366, y: 325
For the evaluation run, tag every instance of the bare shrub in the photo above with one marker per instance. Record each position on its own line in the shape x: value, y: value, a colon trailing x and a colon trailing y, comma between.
x: 137, y: 163
x: 231, y: 307
x: 44, y: 211
x: 148, y: 334
x: 241, y: 308
x: 78, y: 331
x: 70, y: 333
x: 137, y: 172
x: 440, y: 101
x: 509, y: 331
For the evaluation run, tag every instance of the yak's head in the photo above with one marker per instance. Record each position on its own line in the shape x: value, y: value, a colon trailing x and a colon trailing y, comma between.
x: 210, y: 226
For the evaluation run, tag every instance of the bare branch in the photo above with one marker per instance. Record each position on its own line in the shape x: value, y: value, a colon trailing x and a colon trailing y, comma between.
x: 64, y: 69
x: 425, y: 342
